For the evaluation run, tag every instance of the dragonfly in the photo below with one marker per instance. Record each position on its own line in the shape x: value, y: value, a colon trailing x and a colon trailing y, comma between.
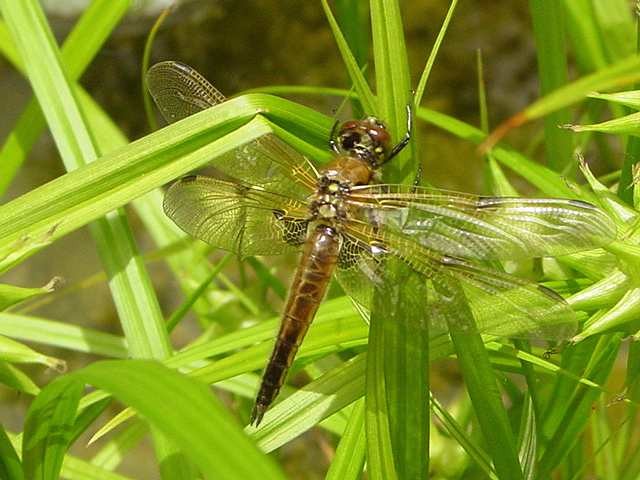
x: 270, y: 199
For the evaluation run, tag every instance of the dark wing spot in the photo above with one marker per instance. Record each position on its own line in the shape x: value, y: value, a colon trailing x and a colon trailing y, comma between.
x: 551, y: 293
x: 486, y: 202
x: 580, y: 203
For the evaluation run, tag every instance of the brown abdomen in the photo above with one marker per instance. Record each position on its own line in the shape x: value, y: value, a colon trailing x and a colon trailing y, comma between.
x: 309, y: 286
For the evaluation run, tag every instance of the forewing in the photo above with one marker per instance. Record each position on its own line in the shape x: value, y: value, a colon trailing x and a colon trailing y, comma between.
x: 501, y: 304
x: 483, y: 228
x: 271, y: 164
x: 180, y: 91
x: 246, y: 220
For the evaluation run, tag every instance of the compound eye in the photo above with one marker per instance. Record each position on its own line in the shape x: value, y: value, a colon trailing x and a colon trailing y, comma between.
x: 350, y: 140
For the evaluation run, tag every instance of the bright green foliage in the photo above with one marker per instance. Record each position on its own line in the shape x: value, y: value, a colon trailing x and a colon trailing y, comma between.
x: 369, y: 371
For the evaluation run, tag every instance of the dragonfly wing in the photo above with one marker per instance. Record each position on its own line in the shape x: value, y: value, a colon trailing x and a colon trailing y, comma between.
x: 272, y: 164
x: 484, y: 228
x: 501, y: 304
x: 180, y: 91
x: 246, y: 220
x: 359, y: 269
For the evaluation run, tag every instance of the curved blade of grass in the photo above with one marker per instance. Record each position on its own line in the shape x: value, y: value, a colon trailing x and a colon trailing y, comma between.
x: 305, y: 408
x: 426, y: 72
x: 16, y: 380
x: 564, y: 426
x: 48, y: 429
x: 458, y: 432
x: 78, y: 197
x: 397, y: 410
x: 16, y: 352
x: 169, y: 401
x: 80, y: 47
x: 624, y: 72
x: 630, y: 98
x: 11, y: 295
x: 62, y: 335
x: 133, y: 295
x: 481, y: 384
x: 360, y: 83
x: 146, y: 56
x: 10, y: 465
x: 548, y: 30
x: 350, y: 454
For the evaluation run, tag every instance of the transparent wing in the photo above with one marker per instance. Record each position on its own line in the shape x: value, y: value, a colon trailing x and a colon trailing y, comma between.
x: 180, y: 91
x: 483, y: 228
x: 270, y: 163
x: 501, y: 304
x: 359, y: 269
x: 246, y: 220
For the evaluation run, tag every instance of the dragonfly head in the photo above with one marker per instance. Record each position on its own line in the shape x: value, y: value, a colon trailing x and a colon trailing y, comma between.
x: 367, y: 139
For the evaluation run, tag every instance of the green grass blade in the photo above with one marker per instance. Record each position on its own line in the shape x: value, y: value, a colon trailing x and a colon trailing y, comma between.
x: 134, y: 297
x: 622, y: 73
x: 80, y: 47
x: 627, y: 125
x: 406, y: 348
x: 10, y: 465
x: 629, y: 98
x: 365, y: 94
x: 426, y: 72
x: 16, y: 352
x: 16, y: 380
x: 548, y: 29
x: 78, y: 197
x: 393, y: 84
x: 482, y: 385
x: 350, y: 454
x: 584, y: 34
x: 328, y: 394
x: 573, y: 404
x: 353, y: 19
x: 11, y: 295
x: 62, y: 335
x: 168, y: 400
x: 48, y: 429
x: 380, y: 452
x: 397, y: 418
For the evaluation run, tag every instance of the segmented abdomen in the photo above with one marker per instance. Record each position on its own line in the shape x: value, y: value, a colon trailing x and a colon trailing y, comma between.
x: 318, y: 260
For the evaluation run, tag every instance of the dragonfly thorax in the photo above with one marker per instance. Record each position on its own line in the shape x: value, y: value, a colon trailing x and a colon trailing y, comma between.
x: 347, y: 171
x: 328, y: 201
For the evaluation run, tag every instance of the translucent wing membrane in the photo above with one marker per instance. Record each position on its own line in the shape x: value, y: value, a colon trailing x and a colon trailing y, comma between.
x: 359, y: 269
x: 501, y: 304
x: 483, y: 228
x: 272, y: 164
x: 246, y: 220
x: 180, y: 91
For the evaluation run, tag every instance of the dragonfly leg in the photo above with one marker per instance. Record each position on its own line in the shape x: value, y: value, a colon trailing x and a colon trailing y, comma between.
x: 407, y: 136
